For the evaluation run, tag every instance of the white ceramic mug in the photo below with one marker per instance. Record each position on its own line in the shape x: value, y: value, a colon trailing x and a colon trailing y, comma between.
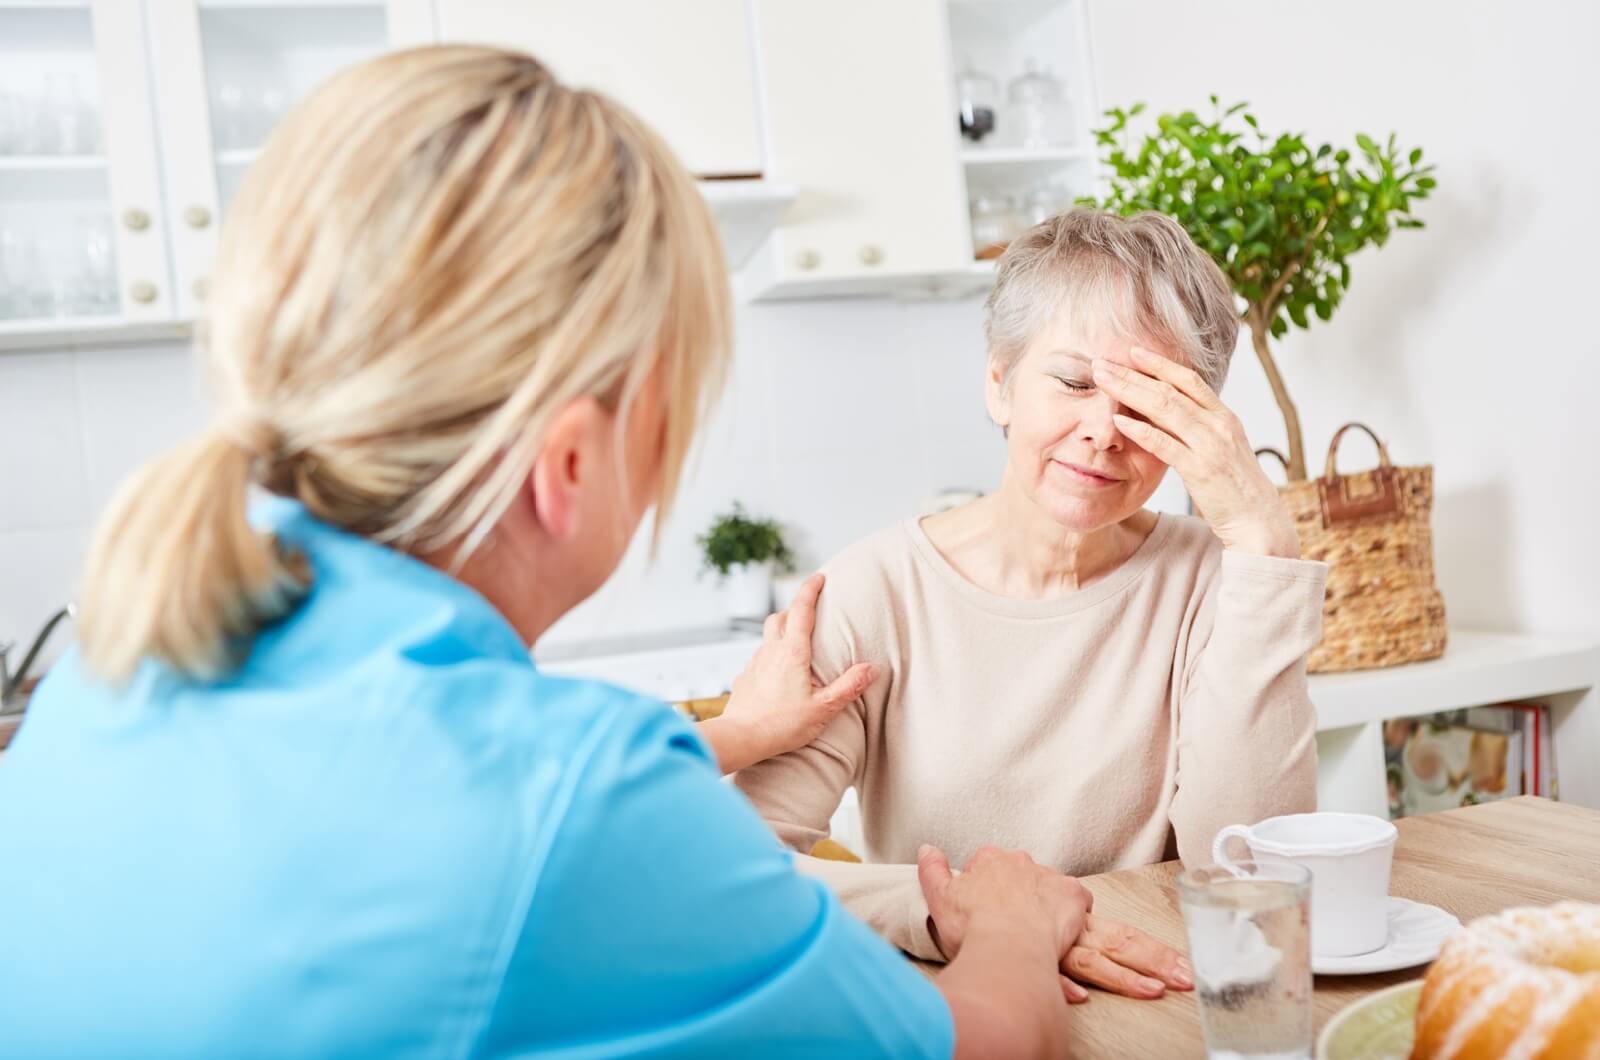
x: 1349, y: 855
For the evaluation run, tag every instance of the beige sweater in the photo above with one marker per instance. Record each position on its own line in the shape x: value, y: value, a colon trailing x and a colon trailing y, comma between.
x: 1168, y: 697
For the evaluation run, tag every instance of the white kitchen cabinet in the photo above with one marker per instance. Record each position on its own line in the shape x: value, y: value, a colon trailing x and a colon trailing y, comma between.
x: 110, y: 193
x: 225, y: 72
x: 81, y: 226
x: 859, y: 117
x: 684, y: 67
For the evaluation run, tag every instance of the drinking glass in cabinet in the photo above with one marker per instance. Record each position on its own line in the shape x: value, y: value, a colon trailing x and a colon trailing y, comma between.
x: 55, y: 120
x: 978, y: 96
x: 59, y: 269
x: 1043, y: 201
x: 1038, y: 109
x: 92, y: 289
x: 26, y: 287
x: 994, y: 222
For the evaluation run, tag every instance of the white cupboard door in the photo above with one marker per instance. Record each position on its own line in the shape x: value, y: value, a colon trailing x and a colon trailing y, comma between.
x: 225, y: 73
x: 185, y: 120
x: 130, y: 138
x: 683, y: 66
x: 410, y: 23
x: 860, y: 116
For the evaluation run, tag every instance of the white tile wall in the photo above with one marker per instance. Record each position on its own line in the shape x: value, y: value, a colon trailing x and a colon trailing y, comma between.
x: 42, y: 483
x: 72, y: 424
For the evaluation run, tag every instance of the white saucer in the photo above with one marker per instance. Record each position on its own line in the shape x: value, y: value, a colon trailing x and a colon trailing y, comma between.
x: 1417, y: 931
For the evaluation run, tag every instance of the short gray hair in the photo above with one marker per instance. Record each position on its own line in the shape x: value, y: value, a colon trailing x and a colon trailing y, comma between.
x: 1140, y: 278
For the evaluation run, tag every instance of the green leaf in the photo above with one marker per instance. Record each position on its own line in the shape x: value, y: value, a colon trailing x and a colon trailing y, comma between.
x: 1366, y: 144
x: 1416, y: 155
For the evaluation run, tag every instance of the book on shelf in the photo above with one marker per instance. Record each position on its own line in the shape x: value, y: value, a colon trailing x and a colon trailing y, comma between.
x: 1464, y: 757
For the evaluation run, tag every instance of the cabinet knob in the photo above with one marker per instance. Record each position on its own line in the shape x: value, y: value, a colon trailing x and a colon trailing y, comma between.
x: 871, y: 255
x: 808, y: 259
x: 197, y: 216
x: 143, y: 292
x: 135, y: 219
x: 202, y: 287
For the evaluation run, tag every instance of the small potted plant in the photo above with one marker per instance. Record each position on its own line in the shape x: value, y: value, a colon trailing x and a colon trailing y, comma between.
x: 745, y: 552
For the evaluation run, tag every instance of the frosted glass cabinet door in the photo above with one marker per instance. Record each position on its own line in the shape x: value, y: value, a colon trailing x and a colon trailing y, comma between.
x: 684, y: 66
x: 80, y: 218
x: 226, y: 72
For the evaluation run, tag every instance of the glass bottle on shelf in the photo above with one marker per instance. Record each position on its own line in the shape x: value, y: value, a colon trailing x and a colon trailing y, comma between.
x: 978, y: 97
x: 1038, y: 109
x: 1044, y: 200
x: 994, y: 222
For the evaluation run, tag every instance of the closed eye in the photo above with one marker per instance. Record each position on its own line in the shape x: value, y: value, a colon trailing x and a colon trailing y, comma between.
x: 1074, y: 385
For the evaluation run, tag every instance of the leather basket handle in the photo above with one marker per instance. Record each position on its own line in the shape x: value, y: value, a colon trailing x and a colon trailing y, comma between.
x: 1338, y: 436
x: 1342, y: 508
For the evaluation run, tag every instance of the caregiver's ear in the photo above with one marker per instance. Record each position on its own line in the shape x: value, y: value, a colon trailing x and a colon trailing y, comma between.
x: 571, y: 462
x: 996, y: 392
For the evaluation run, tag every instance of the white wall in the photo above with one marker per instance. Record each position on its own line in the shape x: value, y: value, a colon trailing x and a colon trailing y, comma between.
x: 1468, y: 344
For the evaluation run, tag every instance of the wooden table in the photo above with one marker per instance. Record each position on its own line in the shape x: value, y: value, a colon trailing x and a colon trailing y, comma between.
x: 1473, y: 862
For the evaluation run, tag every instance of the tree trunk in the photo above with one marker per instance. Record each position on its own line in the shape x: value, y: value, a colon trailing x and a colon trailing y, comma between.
x: 1259, y: 334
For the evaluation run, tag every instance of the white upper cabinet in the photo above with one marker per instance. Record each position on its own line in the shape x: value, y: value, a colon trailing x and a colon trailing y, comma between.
x: 225, y: 72
x: 682, y: 66
x: 860, y: 117
x: 81, y: 241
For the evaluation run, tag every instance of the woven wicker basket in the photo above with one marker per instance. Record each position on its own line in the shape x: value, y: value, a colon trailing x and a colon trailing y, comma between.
x: 1371, y: 529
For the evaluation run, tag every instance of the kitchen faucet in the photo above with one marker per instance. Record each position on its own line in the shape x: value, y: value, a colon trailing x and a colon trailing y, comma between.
x: 11, y: 697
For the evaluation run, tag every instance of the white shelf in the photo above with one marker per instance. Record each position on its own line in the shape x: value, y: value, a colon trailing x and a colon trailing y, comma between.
x: 268, y: 5
x: 50, y: 163
x: 1015, y: 156
x: 238, y: 156
x: 56, y: 332
x: 1010, y: 170
x: 1477, y: 669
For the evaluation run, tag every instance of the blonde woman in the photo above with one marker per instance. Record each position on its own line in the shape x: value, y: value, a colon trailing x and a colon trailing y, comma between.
x: 301, y: 791
x: 1063, y: 671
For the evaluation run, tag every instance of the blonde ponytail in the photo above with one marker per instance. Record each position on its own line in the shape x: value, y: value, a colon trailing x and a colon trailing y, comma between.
x: 177, y: 572
x: 434, y: 254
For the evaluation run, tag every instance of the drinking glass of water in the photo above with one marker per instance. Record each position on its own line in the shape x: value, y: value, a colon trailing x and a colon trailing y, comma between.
x: 1249, y: 928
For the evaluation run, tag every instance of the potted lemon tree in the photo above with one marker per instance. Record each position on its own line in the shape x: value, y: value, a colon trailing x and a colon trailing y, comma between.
x: 1281, y: 216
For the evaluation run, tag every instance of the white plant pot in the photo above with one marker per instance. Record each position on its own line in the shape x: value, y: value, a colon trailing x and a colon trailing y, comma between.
x: 747, y: 590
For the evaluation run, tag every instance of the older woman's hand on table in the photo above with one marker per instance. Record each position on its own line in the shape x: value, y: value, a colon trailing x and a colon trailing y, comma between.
x: 1186, y: 426
x: 1104, y: 953
x: 776, y: 706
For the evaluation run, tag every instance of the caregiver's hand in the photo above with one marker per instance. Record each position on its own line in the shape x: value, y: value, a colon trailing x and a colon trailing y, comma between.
x: 1190, y: 429
x: 776, y: 706
x: 1004, y: 893
x: 1104, y: 953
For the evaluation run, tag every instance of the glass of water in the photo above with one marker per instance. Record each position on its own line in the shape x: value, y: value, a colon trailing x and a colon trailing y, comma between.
x: 1249, y: 928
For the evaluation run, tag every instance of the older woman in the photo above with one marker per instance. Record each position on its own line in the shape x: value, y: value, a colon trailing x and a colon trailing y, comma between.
x: 302, y: 792
x: 1064, y: 671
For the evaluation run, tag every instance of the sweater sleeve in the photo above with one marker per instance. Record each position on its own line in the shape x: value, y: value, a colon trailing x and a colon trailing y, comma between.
x: 1246, y: 726
x: 797, y: 793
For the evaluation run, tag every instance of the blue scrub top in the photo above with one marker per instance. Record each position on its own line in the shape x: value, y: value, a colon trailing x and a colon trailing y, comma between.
x: 387, y: 834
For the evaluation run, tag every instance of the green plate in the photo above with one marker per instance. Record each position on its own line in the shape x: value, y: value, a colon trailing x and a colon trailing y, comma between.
x: 1380, y: 1027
